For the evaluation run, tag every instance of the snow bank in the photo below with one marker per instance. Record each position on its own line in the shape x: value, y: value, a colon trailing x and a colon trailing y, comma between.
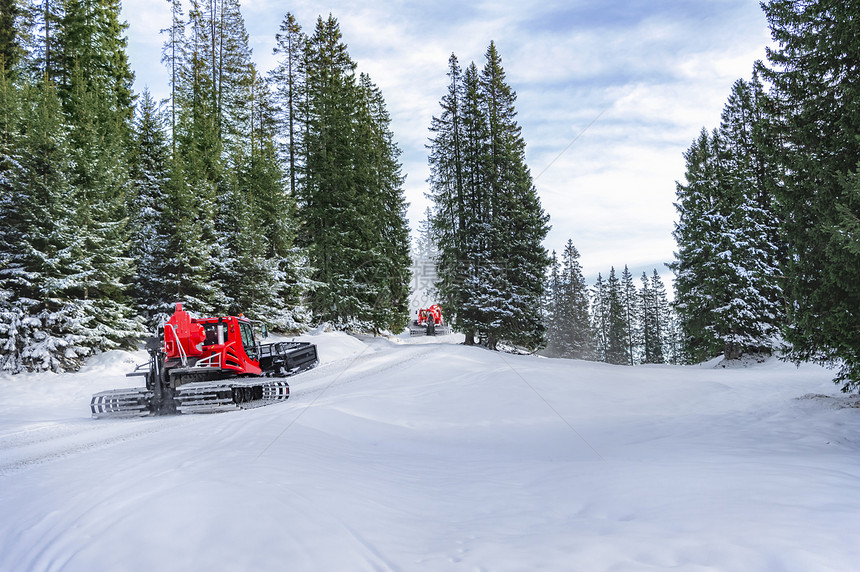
x: 394, y: 455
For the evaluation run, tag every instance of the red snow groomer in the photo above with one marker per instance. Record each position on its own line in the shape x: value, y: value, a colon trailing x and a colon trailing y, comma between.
x: 429, y: 322
x: 207, y: 365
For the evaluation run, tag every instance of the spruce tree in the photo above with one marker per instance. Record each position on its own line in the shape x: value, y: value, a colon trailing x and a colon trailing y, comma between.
x: 289, y: 79
x: 350, y: 194
x: 453, y: 190
x: 600, y: 318
x: 573, y: 336
x: 630, y: 310
x: 45, y: 326
x: 150, y: 176
x: 488, y: 216
x: 518, y: 225
x: 650, y: 326
x: 552, y: 307
x: 381, y: 178
x: 729, y: 250
x: 695, y: 300
x: 97, y: 99
x: 661, y: 318
x: 817, y: 98
x: 617, y: 326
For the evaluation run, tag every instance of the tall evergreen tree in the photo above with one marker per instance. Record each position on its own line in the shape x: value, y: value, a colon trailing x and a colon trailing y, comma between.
x: 454, y: 190
x: 350, y: 195
x: 817, y: 100
x: 289, y: 78
x: 600, y: 317
x: 695, y: 232
x: 661, y: 318
x: 552, y: 306
x: 617, y: 326
x: 728, y: 256
x: 381, y: 178
x: 652, y: 343
x: 571, y: 332
x: 488, y: 216
x: 150, y: 176
x: 519, y: 224
x: 97, y: 98
x: 45, y: 326
x: 630, y: 307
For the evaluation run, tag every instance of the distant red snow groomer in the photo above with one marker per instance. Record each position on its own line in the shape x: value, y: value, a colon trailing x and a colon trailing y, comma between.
x: 206, y: 365
x: 429, y: 323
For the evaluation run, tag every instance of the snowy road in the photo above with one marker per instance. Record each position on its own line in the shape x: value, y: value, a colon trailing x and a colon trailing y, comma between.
x: 416, y: 455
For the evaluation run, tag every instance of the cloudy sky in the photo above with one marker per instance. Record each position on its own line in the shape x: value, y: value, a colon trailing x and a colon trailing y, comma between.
x: 610, y: 94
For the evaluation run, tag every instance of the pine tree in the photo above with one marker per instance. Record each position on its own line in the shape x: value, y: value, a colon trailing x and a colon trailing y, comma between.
x: 660, y: 318
x: 816, y: 101
x: 196, y: 170
x: 381, y: 178
x: 650, y: 327
x: 600, y: 318
x: 188, y: 266
x: 552, y: 307
x: 519, y: 224
x: 456, y: 262
x: 97, y: 99
x: 572, y: 333
x: 289, y: 78
x: 727, y: 261
x: 350, y: 194
x: 617, y: 326
x: 488, y: 216
x: 274, y: 211
x: 694, y: 297
x: 45, y: 327
x: 150, y: 176
x: 630, y: 310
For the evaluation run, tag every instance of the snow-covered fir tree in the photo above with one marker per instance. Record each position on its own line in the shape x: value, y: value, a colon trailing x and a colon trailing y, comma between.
x: 44, y: 327
x: 630, y: 309
x: 616, y: 323
x: 569, y: 332
x: 728, y: 297
x: 600, y: 317
x: 815, y: 144
x: 150, y: 176
x: 350, y: 194
x: 487, y: 213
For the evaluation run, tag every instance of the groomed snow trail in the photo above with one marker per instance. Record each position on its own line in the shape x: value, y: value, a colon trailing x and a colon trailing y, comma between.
x: 425, y: 455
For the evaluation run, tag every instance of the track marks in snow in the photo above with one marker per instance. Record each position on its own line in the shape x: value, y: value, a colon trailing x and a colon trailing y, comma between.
x: 310, y: 385
x: 51, y: 441
x: 364, y: 365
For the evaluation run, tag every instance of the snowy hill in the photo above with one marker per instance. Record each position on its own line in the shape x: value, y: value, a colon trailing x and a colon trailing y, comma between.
x: 425, y: 455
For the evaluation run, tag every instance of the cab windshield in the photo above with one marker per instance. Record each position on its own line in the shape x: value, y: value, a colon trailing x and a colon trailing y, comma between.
x: 248, y: 339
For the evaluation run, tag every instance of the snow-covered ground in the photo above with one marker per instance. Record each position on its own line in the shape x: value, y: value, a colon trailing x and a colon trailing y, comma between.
x: 398, y: 454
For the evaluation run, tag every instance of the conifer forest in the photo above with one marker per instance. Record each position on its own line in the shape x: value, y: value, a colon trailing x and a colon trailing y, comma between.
x: 279, y: 194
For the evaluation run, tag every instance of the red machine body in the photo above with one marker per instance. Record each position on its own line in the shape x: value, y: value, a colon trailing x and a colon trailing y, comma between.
x: 221, y: 343
x: 428, y: 322
x: 434, y: 313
